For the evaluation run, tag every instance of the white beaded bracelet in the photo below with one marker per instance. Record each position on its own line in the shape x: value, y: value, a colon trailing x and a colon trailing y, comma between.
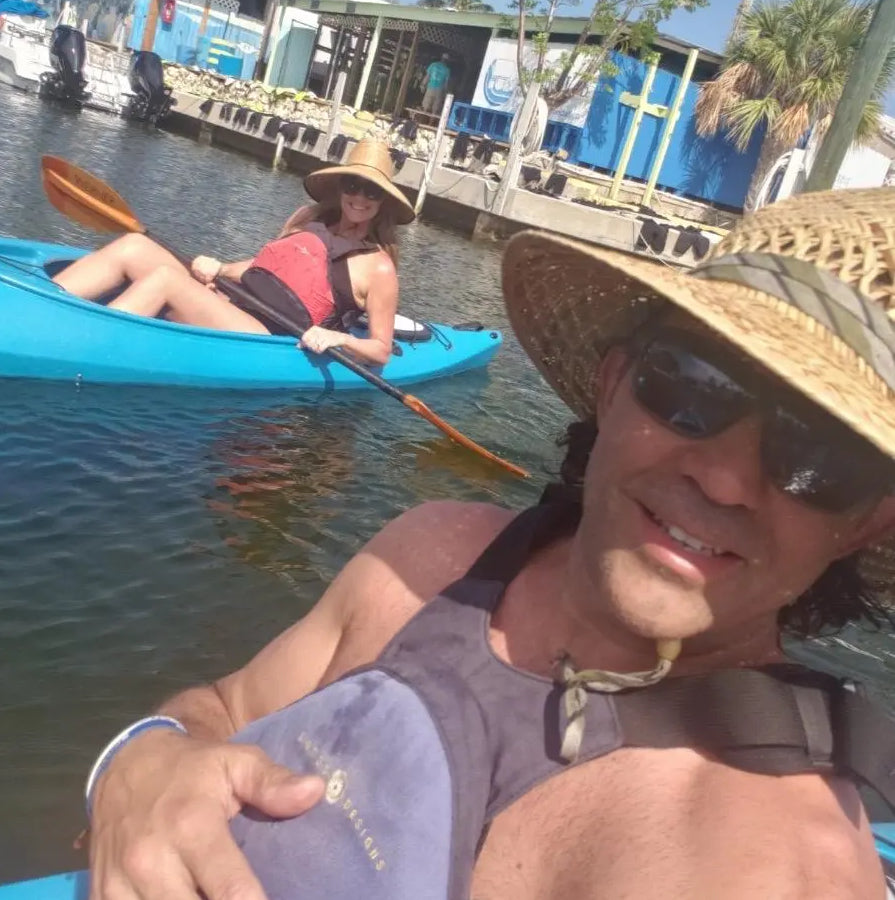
x: 117, y: 743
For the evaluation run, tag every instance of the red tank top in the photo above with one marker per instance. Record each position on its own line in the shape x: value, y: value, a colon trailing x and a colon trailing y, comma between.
x: 301, y: 261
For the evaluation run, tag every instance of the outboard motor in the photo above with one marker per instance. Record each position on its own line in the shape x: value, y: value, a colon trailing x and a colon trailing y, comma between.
x: 151, y: 99
x: 68, y: 55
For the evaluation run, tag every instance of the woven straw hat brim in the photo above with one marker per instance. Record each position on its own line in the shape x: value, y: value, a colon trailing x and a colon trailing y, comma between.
x: 569, y: 302
x: 324, y: 184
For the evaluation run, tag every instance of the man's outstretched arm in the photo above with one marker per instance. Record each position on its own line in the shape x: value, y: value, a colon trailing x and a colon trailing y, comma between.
x: 161, y: 808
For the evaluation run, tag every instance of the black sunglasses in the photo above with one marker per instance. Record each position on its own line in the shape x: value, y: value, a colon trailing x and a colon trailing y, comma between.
x: 354, y: 185
x: 696, y: 389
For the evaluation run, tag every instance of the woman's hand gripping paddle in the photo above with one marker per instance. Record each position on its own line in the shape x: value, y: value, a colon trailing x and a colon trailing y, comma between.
x: 91, y: 202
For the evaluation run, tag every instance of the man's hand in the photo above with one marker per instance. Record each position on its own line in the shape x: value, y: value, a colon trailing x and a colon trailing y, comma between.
x: 161, y: 811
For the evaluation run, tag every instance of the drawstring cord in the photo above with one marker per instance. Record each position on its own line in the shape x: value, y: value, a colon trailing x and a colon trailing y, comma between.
x: 577, y: 683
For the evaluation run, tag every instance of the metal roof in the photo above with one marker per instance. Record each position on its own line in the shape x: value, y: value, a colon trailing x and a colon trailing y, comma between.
x: 561, y: 25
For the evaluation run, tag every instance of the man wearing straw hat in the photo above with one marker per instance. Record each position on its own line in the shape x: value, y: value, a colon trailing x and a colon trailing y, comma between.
x: 594, y: 704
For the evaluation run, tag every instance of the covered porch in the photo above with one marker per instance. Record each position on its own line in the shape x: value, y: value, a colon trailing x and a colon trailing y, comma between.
x: 385, y: 59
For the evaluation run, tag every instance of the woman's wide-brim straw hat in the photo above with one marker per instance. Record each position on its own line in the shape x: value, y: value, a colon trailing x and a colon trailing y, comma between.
x: 804, y: 286
x: 371, y: 161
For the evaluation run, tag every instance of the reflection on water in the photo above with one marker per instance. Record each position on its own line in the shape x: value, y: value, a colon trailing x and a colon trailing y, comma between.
x: 150, y: 539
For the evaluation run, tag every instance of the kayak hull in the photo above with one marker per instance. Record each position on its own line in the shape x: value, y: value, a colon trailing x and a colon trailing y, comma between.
x: 50, y: 334
x: 68, y: 886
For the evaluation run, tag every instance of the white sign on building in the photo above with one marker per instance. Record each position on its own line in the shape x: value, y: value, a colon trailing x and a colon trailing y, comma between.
x: 498, y: 86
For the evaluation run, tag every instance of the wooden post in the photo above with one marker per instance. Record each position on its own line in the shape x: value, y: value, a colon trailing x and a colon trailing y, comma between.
x: 368, y: 64
x: 671, y: 120
x: 435, y: 155
x: 269, y: 16
x: 203, y: 22
x: 642, y: 106
x: 522, y: 120
x: 275, y: 50
x: 150, y: 25
x: 405, y: 78
x: 335, y: 113
x: 360, y: 47
x: 332, y: 68
x: 314, y: 50
x: 399, y: 46
x: 865, y: 72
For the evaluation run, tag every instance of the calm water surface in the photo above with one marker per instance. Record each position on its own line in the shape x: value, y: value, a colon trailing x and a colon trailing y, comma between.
x: 150, y: 539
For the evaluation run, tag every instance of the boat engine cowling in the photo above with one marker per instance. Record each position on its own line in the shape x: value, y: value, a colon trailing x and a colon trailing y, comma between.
x: 151, y: 98
x: 68, y: 56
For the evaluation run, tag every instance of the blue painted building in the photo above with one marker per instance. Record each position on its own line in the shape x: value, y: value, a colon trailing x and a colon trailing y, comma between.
x: 594, y: 132
x: 179, y: 41
x: 483, y: 81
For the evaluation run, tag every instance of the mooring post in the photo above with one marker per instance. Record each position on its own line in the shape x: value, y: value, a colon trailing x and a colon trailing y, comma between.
x: 278, y: 151
x: 435, y: 155
x: 522, y: 123
x: 335, y: 113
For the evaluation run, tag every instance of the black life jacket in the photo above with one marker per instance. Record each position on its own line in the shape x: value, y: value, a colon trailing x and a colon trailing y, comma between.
x: 425, y: 747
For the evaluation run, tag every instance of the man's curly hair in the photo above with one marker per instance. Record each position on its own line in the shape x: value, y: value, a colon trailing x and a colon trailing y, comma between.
x: 840, y: 596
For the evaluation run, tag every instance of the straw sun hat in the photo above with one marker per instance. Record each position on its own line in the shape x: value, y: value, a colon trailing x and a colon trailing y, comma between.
x: 371, y: 161
x: 805, y: 286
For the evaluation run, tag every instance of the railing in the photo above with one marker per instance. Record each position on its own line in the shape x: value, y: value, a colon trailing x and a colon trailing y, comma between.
x: 497, y: 124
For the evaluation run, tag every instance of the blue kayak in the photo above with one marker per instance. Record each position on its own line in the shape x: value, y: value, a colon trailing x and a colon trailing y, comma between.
x: 49, y: 334
x: 74, y: 885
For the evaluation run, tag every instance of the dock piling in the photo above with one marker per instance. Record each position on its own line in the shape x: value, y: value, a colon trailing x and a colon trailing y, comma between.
x: 522, y: 123
x: 335, y: 114
x: 435, y: 155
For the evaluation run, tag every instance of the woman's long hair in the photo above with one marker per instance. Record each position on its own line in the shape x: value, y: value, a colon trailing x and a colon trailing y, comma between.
x: 381, y: 230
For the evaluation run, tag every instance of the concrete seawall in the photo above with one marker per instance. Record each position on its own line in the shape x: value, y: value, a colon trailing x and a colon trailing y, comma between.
x: 458, y: 198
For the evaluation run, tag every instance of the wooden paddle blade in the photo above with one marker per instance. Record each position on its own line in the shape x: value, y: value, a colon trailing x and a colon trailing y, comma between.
x: 421, y: 409
x: 76, y: 211
x: 87, y: 182
x: 85, y: 198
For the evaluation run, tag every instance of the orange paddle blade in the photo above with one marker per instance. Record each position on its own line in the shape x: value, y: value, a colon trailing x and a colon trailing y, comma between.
x: 421, y: 409
x: 85, y: 198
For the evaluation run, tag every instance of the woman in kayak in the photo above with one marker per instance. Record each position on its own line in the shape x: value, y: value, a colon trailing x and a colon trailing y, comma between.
x: 332, y: 261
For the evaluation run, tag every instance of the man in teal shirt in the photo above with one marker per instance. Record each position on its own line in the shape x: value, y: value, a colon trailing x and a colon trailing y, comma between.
x: 437, y: 75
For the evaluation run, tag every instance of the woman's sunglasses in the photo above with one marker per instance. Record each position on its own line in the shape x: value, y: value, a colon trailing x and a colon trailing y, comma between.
x: 698, y: 390
x: 354, y: 185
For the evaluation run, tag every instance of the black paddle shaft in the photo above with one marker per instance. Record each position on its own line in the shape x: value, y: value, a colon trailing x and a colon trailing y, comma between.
x: 239, y: 292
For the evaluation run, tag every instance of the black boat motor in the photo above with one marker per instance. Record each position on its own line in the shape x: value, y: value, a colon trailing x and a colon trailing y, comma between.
x: 151, y: 99
x: 68, y: 56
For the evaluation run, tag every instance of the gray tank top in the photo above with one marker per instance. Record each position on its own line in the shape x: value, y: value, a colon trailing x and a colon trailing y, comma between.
x: 421, y: 750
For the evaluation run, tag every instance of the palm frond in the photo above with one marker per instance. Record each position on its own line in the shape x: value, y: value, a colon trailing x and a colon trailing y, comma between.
x: 791, y: 123
x: 787, y: 68
x: 744, y: 118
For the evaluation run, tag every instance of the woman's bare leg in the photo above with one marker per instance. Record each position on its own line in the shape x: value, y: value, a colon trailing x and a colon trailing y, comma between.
x: 191, y: 303
x: 128, y: 258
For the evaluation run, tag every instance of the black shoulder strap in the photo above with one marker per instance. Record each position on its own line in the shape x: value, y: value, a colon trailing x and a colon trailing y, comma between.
x: 275, y: 302
x: 338, y: 249
x: 869, y: 752
x: 779, y: 720
x: 532, y: 529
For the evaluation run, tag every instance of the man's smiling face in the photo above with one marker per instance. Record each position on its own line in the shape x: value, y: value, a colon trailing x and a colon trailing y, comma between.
x: 685, y: 536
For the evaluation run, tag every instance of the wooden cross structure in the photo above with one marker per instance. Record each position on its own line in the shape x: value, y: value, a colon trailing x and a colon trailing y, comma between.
x: 642, y: 107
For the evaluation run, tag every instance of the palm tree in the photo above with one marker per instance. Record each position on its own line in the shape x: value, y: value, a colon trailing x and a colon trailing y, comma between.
x: 784, y: 72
